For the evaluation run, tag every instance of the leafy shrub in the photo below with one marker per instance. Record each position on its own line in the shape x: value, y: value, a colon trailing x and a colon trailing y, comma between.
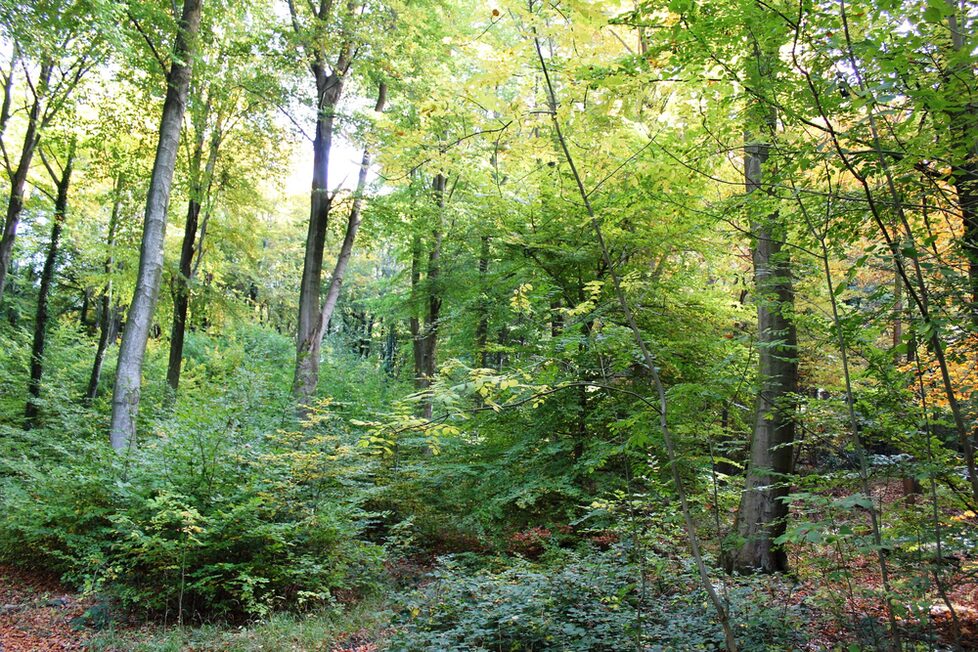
x: 582, y: 606
x: 240, y: 537
x: 207, y: 515
x: 590, y: 601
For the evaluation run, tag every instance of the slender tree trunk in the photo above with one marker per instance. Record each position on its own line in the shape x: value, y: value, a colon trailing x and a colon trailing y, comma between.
x: 389, y: 352
x: 125, y: 396
x: 963, y: 116
x: 306, y: 381
x: 482, y: 330
x: 181, y: 296
x: 417, y: 346
x: 18, y: 178
x: 199, y: 193
x: 429, y: 337
x: 32, y: 408
x: 86, y: 307
x: 109, y: 313
x: 328, y: 88
x: 762, y: 515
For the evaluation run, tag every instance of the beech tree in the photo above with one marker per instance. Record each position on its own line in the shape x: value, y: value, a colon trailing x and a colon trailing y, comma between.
x: 139, y: 316
x: 329, y: 61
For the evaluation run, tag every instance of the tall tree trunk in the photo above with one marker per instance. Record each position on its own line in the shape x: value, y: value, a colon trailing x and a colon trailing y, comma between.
x: 961, y: 90
x: 762, y: 515
x: 181, y: 295
x: 199, y: 193
x: 125, y: 395
x: 328, y: 89
x: 427, y: 342
x: 307, y: 371
x: 18, y: 177
x: 417, y: 347
x: 32, y: 408
x: 482, y: 329
x: 109, y: 314
x: 389, y: 350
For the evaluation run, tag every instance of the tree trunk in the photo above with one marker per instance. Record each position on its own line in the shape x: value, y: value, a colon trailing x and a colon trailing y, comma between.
x: 200, y: 187
x: 328, y: 88
x: 32, y: 408
x: 181, y: 296
x: 109, y: 314
x: 482, y: 330
x: 426, y: 342
x: 18, y: 179
x: 415, y: 322
x: 762, y: 514
x: 963, y: 118
x: 125, y: 396
x: 307, y: 370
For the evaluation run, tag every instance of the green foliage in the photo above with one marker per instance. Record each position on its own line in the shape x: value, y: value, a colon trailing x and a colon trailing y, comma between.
x: 580, y: 601
x: 215, y: 513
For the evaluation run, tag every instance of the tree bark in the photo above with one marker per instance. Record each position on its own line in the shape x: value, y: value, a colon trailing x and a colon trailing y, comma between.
x: 960, y: 89
x: 425, y: 335
x: 200, y: 186
x: 32, y: 409
x: 762, y: 515
x: 329, y: 88
x: 18, y: 177
x: 109, y: 313
x: 307, y: 367
x: 125, y: 396
x: 482, y: 329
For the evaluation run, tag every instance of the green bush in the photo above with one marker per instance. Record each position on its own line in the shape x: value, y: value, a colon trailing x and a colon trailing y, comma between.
x: 208, y: 515
x: 590, y: 601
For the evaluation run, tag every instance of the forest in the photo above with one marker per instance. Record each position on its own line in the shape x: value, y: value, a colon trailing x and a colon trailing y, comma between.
x: 489, y: 325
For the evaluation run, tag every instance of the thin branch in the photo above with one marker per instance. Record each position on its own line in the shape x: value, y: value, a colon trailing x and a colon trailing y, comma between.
x: 152, y: 48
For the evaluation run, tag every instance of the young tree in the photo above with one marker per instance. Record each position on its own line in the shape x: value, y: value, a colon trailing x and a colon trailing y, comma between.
x: 201, y: 177
x: 61, y: 179
x: 109, y: 312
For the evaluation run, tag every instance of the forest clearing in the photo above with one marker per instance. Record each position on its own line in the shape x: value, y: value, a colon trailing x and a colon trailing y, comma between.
x: 489, y: 326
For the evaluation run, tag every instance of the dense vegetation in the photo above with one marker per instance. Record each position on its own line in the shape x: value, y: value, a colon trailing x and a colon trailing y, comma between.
x: 450, y: 325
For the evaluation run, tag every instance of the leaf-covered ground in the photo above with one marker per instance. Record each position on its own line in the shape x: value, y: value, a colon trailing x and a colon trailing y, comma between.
x: 36, y: 613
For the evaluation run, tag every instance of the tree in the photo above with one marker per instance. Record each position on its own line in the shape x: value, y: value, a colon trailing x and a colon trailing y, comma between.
x: 349, y: 237
x: 427, y: 295
x: 200, y: 190
x: 761, y: 517
x: 61, y: 179
x: 330, y: 67
x: 55, y: 45
x: 109, y: 312
x: 125, y: 395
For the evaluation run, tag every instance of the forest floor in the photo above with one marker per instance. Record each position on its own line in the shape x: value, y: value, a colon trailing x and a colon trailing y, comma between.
x: 38, y: 614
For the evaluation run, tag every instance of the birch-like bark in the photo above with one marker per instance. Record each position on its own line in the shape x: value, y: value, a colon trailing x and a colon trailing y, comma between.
x: 125, y: 395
